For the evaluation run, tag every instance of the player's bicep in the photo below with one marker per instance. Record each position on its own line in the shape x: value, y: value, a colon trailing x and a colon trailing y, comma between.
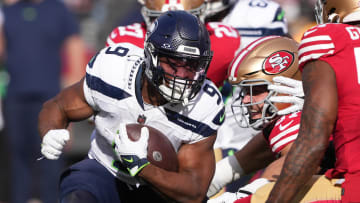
x: 198, y: 160
x: 72, y: 102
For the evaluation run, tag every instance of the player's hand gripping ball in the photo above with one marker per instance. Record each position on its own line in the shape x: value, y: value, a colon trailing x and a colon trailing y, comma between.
x: 160, y: 151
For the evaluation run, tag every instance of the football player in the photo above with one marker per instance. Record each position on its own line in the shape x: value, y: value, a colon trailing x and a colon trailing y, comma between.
x: 329, y: 58
x: 165, y: 85
x: 225, y: 40
x: 252, y: 19
x: 254, y: 70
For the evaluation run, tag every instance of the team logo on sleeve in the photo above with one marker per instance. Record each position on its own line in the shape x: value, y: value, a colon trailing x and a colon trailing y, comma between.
x: 278, y: 62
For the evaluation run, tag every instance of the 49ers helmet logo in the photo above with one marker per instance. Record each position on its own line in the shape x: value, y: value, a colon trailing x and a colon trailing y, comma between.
x: 278, y: 62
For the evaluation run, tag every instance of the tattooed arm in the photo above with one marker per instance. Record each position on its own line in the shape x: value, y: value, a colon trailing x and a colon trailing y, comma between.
x: 317, y: 122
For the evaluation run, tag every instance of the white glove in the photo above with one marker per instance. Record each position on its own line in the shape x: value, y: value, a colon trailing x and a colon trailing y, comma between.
x: 291, y: 87
x: 245, y: 191
x: 227, y: 170
x: 132, y: 154
x: 226, y: 197
x: 53, y: 142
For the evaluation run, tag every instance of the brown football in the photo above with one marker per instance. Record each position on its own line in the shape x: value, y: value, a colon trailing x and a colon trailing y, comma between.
x: 160, y: 150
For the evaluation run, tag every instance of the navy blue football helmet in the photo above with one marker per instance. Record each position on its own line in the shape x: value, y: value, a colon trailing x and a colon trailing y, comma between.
x: 177, y: 35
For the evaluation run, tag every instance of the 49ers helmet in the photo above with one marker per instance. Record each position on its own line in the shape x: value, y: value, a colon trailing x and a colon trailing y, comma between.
x: 255, y: 66
x: 337, y: 11
x: 154, y: 8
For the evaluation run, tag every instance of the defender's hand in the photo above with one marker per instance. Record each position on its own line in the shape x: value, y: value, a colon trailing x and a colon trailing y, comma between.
x: 224, y: 198
x: 132, y: 154
x: 243, y: 192
x: 291, y: 87
x: 227, y: 170
x: 53, y: 143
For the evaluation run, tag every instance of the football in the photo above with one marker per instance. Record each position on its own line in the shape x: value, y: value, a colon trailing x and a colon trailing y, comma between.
x: 160, y: 150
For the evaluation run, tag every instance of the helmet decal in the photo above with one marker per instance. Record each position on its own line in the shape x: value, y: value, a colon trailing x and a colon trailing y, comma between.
x: 278, y: 62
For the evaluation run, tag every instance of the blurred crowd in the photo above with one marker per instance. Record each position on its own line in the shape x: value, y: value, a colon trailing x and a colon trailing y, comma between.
x: 96, y: 19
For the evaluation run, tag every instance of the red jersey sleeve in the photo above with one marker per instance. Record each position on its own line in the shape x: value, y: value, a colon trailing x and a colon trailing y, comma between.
x: 225, y: 41
x: 134, y: 34
x: 285, y: 131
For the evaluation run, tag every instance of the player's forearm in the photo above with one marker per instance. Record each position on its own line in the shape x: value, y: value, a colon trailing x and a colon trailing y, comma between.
x: 296, y: 171
x: 51, y: 117
x: 255, y: 155
x: 300, y: 164
x: 303, y: 159
x: 182, y: 187
x: 273, y: 170
x: 69, y: 105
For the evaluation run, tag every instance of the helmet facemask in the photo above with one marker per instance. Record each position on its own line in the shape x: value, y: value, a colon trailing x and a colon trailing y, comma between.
x: 319, y: 12
x: 244, y: 111
x: 332, y: 17
x: 336, y: 11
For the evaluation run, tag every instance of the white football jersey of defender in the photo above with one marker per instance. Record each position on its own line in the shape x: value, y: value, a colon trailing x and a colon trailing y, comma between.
x: 113, y: 89
x: 257, y: 18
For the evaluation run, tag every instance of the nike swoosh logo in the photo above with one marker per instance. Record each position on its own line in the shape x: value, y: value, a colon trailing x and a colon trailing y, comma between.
x: 222, y: 118
x: 282, y: 127
x: 309, y: 32
x: 128, y: 160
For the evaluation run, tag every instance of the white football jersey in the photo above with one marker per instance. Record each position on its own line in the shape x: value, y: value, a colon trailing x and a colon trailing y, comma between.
x: 256, y: 18
x: 113, y: 89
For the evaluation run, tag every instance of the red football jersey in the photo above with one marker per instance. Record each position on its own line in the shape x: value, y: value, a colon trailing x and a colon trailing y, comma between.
x: 285, y: 131
x: 225, y: 41
x: 134, y: 34
x: 339, y: 46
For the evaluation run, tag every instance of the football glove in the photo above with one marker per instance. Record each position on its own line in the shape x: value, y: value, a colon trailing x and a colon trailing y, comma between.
x: 53, y: 143
x: 245, y: 191
x: 132, y: 154
x: 293, y: 88
x: 226, y: 171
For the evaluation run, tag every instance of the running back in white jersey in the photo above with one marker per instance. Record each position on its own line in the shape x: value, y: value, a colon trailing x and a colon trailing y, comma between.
x: 113, y: 88
x: 257, y: 18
